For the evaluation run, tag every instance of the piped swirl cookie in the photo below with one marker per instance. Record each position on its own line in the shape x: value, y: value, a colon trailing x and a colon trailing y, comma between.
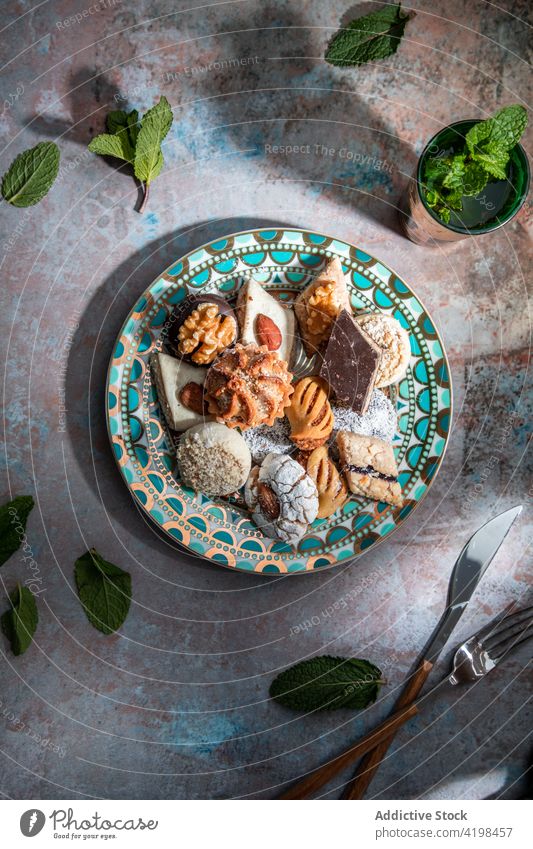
x: 248, y: 386
x: 310, y: 414
x: 332, y: 491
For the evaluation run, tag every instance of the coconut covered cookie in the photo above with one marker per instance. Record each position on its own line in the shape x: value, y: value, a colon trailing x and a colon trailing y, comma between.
x: 282, y: 497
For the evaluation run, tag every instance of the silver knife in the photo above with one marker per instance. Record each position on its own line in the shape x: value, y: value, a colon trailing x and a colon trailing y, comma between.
x: 469, y: 568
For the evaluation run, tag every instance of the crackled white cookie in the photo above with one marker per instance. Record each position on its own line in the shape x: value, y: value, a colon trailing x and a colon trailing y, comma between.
x: 282, y: 497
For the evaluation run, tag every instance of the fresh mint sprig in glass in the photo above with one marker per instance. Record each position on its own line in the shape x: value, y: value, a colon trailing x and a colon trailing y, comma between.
x: 449, y: 177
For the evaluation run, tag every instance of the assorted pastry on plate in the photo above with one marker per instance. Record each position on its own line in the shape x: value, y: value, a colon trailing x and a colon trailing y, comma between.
x: 296, y: 446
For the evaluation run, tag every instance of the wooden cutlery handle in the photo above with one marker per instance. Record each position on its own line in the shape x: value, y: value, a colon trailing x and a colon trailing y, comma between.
x: 365, y: 772
x: 308, y: 785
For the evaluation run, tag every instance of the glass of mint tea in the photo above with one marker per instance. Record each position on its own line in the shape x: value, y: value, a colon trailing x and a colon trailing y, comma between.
x: 430, y: 219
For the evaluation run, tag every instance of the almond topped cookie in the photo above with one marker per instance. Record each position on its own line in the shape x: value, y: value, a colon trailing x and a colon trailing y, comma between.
x: 319, y: 304
x: 282, y: 497
x: 263, y: 320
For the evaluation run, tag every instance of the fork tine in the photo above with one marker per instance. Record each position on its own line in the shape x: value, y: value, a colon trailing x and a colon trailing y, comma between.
x: 504, y: 654
x: 494, y: 623
x: 502, y: 622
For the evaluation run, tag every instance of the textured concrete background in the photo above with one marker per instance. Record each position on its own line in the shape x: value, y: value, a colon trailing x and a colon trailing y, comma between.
x: 175, y: 706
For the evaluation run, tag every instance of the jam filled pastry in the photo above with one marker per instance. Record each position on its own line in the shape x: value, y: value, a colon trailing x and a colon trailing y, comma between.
x: 319, y: 304
x: 370, y: 467
x: 310, y: 415
x: 248, y: 386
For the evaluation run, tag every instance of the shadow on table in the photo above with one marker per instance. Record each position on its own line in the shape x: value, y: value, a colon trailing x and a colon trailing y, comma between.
x: 285, y: 96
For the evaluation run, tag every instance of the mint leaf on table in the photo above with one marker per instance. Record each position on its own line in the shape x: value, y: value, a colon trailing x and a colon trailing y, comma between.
x: 327, y: 683
x: 13, y: 518
x: 117, y: 145
x: 148, y: 156
x: 124, y: 122
x: 366, y: 39
x: 31, y: 175
x: 19, y: 623
x: 104, y: 590
x: 138, y: 143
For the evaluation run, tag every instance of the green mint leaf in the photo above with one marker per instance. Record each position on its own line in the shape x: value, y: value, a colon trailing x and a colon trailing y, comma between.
x: 454, y: 199
x: 479, y: 135
x: 19, y: 623
x: 118, y: 146
x: 454, y: 176
x: 13, y: 518
x: 509, y: 124
x: 444, y: 213
x: 31, y: 175
x: 154, y: 127
x: 494, y: 160
x: 327, y: 683
x: 475, y: 178
x: 124, y: 122
x: 116, y: 121
x: 366, y: 39
x: 436, y: 168
x: 133, y: 127
x: 104, y: 590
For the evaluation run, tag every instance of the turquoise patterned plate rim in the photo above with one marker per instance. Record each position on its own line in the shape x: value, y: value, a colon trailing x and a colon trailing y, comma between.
x: 284, y: 261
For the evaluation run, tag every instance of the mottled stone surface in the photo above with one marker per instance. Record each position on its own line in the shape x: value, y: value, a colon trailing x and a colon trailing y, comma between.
x: 176, y: 705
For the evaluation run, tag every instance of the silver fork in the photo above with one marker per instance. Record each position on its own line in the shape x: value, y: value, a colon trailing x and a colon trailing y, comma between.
x: 490, y: 645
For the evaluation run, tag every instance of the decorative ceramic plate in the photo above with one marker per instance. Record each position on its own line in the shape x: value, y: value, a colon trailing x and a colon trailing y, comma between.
x: 284, y: 261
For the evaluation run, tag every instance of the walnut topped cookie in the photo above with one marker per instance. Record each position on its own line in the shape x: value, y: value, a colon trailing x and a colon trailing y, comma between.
x: 319, y: 304
x: 248, y: 386
x: 201, y: 327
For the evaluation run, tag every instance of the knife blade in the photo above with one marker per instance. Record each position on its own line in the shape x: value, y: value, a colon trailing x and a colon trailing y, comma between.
x: 469, y: 568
